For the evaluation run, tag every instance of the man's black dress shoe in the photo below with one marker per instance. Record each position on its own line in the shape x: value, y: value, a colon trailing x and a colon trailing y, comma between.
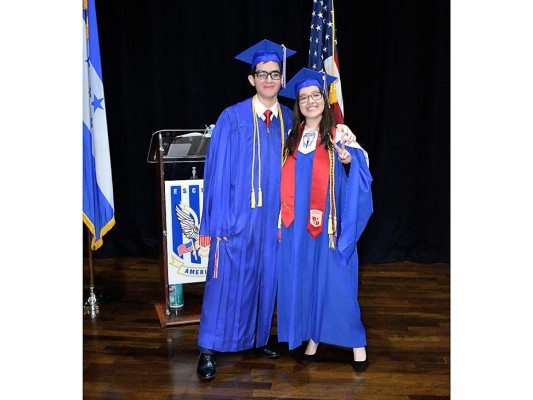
x: 207, y: 367
x: 360, y: 366
x: 266, y: 352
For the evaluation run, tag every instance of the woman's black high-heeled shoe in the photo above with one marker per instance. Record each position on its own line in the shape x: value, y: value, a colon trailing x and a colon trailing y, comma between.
x: 309, y: 358
x: 360, y: 366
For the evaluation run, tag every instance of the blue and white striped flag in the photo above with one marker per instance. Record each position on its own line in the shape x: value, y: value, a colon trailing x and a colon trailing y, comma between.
x: 98, y: 205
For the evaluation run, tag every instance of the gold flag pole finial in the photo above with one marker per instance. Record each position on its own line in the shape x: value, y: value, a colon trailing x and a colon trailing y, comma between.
x: 332, y: 87
x: 86, y: 9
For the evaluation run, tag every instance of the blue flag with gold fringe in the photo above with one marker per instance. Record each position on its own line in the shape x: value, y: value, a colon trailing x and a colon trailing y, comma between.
x: 98, y: 204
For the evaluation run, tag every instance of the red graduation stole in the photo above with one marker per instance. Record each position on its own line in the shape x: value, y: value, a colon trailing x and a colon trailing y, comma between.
x: 319, y: 188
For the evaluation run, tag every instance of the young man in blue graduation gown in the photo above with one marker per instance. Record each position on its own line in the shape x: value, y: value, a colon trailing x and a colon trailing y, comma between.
x: 241, y: 206
x: 240, y: 213
x: 326, y: 202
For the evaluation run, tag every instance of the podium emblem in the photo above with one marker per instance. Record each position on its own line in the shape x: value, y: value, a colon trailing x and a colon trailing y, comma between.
x: 187, y: 254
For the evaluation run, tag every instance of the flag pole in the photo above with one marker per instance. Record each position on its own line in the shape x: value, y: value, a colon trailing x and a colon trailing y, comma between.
x: 91, y: 305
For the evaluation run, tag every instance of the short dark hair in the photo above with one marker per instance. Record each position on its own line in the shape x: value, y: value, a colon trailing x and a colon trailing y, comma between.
x: 254, y: 68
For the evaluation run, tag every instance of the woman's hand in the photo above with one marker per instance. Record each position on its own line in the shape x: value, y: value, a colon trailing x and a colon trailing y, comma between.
x: 344, y: 155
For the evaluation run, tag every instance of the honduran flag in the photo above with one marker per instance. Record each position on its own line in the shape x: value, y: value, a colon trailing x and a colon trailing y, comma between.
x: 98, y: 205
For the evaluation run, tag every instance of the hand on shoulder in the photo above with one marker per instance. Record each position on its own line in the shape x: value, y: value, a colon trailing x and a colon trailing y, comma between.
x: 344, y: 132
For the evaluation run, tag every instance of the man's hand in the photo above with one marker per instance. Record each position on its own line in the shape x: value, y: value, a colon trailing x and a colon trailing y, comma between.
x: 344, y: 131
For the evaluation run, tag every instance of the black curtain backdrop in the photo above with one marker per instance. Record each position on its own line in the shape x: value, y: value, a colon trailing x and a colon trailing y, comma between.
x: 170, y: 65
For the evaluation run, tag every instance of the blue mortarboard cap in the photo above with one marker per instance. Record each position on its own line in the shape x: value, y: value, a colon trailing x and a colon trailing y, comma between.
x: 264, y: 51
x: 304, y: 78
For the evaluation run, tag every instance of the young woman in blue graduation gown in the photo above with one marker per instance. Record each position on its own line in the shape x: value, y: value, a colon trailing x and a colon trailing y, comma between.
x: 326, y: 204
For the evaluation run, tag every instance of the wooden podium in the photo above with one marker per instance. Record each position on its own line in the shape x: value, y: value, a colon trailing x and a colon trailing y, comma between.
x: 178, y: 154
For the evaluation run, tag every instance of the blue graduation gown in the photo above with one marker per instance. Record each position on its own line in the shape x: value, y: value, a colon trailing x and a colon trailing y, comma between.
x: 317, y: 295
x: 239, y: 303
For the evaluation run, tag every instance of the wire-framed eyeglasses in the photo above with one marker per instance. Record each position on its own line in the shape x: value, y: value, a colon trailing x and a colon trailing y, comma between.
x: 274, y: 75
x: 305, y: 98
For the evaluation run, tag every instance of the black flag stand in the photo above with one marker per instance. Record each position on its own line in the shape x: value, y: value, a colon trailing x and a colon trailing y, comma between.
x: 91, y: 305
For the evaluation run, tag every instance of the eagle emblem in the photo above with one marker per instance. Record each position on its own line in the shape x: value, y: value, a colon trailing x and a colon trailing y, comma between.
x: 189, y: 226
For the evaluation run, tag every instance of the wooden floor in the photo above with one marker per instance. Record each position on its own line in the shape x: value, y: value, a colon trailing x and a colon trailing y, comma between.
x: 128, y: 355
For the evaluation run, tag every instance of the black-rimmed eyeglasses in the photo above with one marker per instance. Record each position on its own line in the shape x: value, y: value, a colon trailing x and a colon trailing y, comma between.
x: 275, y: 75
x: 305, y: 98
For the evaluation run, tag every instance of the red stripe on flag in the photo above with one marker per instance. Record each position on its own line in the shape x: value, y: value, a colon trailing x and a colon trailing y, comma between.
x: 183, y: 249
x: 339, y: 118
x: 204, y: 241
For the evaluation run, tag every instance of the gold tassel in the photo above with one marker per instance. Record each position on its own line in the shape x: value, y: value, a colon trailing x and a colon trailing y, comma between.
x: 332, y: 94
x: 330, y: 233
x: 253, y: 199
x: 259, y: 198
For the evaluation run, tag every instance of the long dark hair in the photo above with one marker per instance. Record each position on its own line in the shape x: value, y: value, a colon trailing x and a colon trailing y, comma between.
x: 298, y: 121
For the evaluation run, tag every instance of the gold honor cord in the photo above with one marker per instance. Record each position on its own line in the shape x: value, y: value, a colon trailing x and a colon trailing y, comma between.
x: 283, y: 157
x: 332, y: 221
x: 256, y: 134
x: 252, y: 205
x: 259, y: 191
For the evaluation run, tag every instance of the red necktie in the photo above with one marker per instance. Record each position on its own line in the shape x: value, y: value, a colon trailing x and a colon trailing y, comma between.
x: 267, y: 113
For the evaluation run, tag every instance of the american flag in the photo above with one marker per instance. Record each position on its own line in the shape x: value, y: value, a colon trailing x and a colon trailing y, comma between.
x: 323, y: 52
x: 185, y: 248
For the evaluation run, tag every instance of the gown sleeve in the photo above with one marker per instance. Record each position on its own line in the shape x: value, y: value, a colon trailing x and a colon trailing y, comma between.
x: 218, y: 218
x: 356, y: 208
